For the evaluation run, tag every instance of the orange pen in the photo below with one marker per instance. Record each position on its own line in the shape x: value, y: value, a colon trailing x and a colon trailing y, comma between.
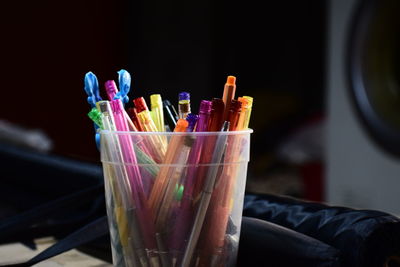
x: 229, y: 94
x: 170, y: 156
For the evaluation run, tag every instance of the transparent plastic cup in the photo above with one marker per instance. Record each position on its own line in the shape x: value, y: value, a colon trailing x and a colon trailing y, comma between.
x: 175, y: 199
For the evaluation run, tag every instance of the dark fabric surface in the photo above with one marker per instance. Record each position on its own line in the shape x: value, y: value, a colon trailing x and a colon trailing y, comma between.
x: 365, y: 238
x: 267, y: 244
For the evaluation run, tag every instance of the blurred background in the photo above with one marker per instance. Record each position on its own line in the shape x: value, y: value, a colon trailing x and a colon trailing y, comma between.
x: 311, y: 137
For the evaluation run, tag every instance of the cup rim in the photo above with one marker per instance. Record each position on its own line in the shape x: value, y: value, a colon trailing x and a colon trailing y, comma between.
x: 242, y: 132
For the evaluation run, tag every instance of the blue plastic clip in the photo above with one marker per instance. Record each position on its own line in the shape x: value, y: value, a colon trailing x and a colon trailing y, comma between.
x: 124, y: 82
x: 92, y: 90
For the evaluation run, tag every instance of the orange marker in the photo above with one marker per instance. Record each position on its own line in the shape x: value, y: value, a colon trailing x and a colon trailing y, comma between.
x: 229, y: 94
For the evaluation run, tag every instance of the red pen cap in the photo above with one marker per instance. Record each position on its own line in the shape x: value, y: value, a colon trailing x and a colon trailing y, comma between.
x: 217, y: 105
x: 140, y: 104
x: 234, y: 113
x: 236, y: 106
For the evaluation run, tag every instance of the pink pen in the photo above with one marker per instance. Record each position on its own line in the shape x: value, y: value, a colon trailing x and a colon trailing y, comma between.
x: 184, y: 218
x: 141, y: 210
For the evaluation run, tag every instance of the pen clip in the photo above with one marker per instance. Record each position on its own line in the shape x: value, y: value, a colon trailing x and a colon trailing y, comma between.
x: 124, y: 82
x: 92, y: 89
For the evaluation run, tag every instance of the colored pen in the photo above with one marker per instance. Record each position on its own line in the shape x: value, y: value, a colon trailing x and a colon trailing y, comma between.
x: 229, y: 94
x: 205, y: 198
x: 133, y: 115
x: 112, y: 91
x: 217, y: 114
x: 163, y: 175
x: 222, y: 196
x: 234, y: 115
x: 192, y: 119
x: 243, y: 113
x: 157, y: 112
x: 141, y: 209
x: 128, y: 225
x: 170, y: 115
x: 174, y: 176
x: 95, y: 116
x: 248, y: 111
x: 156, y: 142
x: 184, y: 105
x: 185, y: 214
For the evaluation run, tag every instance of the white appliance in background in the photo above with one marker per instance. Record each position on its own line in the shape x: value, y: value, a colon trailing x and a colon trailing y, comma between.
x: 359, y: 173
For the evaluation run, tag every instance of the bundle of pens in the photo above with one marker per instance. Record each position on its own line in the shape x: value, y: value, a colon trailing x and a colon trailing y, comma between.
x: 173, y: 198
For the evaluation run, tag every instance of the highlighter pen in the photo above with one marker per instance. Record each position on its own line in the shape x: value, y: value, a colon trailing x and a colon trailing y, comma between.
x: 205, y: 197
x: 192, y: 119
x: 248, y: 111
x: 217, y: 115
x: 157, y: 112
x: 229, y: 94
x: 184, y: 105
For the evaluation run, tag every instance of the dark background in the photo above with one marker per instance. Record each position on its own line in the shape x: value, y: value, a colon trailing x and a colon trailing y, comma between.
x: 275, y: 49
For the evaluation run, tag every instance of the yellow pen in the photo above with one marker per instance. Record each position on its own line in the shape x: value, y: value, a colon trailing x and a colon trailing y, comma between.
x: 157, y: 112
x: 248, y: 111
x: 158, y: 147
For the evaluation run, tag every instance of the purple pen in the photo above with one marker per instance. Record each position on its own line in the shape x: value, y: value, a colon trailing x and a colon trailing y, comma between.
x: 192, y: 119
x: 184, y: 219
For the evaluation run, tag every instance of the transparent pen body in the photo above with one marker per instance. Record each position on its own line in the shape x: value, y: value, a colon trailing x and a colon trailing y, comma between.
x: 183, y: 191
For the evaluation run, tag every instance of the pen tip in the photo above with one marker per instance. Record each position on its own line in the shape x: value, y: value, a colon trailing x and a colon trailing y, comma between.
x: 231, y: 80
x: 225, y: 126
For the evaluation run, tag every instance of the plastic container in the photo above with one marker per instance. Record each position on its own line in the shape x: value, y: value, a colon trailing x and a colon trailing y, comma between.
x: 175, y: 199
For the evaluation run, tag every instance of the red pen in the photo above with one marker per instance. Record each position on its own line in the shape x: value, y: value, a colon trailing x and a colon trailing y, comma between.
x: 217, y: 115
x: 133, y: 115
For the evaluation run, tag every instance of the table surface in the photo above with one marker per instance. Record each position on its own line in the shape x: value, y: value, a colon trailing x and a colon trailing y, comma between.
x: 17, y: 252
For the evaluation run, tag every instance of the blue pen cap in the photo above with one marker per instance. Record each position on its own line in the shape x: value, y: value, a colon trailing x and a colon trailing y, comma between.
x: 192, y: 119
x: 184, y: 96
